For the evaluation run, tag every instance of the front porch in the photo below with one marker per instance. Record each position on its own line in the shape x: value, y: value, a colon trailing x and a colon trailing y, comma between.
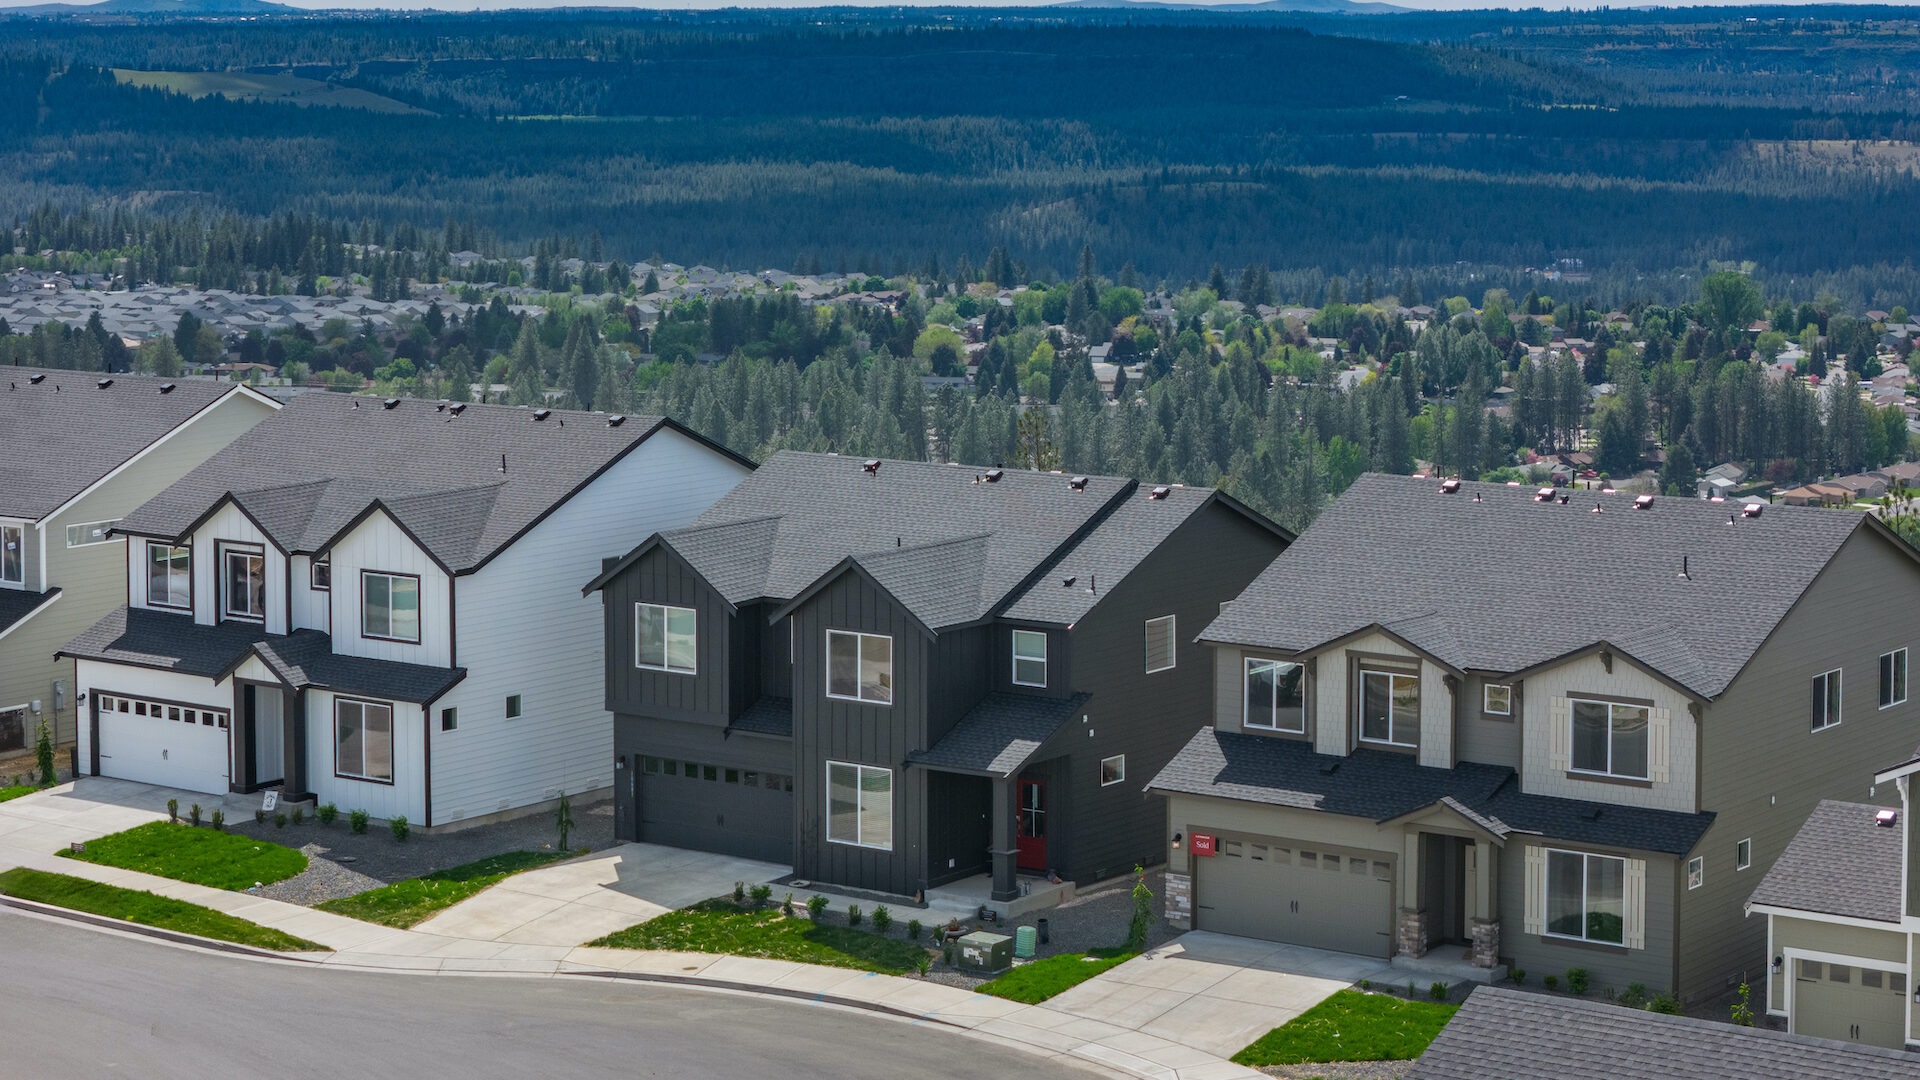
x: 1448, y: 891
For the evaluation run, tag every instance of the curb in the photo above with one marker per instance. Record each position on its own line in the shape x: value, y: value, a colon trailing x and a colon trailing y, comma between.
x: 773, y: 991
x: 178, y: 937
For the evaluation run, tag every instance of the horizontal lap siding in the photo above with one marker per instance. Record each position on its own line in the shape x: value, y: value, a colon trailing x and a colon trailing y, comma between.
x: 523, y: 628
x: 1765, y: 769
x: 1487, y: 739
x: 1607, y: 967
x: 662, y: 577
x: 828, y: 729
x: 1204, y: 563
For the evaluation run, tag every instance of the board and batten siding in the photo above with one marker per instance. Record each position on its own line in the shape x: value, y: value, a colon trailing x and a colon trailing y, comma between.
x: 406, y: 795
x: 228, y: 526
x: 310, y: 605
x: 523, y: 628
x: 1547, y: 739
x: 377, y: 545
x: 661, y: 576
x: 830, y: 729
x: 1764, y: 769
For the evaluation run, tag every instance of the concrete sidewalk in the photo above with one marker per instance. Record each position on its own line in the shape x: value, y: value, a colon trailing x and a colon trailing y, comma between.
x: 34, y: 827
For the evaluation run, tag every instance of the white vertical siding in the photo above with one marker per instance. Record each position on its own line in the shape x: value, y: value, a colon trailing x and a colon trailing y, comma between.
x: 525, y: 629
x: 309, y: 604
x: 406, y: 795
x: 1545, y: 740
x: 233, y: 527
x: 378, y: 544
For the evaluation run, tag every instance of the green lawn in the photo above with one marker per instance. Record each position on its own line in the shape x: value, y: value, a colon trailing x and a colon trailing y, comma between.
x: 719, y: 926
x: 405, y: 903
x: 1036, y: 982
x: 79, y: 894
x: 1352, y: 1026
x: 205, y: 857
x: 17, y: 790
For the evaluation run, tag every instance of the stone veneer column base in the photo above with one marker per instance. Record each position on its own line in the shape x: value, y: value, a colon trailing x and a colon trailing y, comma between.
x: 1486, y: 943
x: 1410, y: 938
x: 1177, y: 904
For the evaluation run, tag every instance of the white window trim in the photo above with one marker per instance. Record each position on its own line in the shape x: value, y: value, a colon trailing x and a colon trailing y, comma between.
x: 1746, y: 846
x: 1361, y: 707
x: 860, y: 661
x: 1246, y: 699
x: 1840, y: 686
x: 1696, y: 872
x: 21, y: 562
x: 859, y: 789
x: 1902, y: 699
x: 1486, y: 701
x: 1546, y: 897
x: 666, y: 619
x: 1173, y: 643
x: 1014, y: 670
x: 1611, y: 705
x: 86, y: 525
x: 1121, y: 778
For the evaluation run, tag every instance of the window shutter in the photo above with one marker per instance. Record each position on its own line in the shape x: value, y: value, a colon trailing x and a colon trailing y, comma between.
x: 1659, y: 742
x: 1636, y: 904
x: 1560, y: 725
x: 1536, y: 917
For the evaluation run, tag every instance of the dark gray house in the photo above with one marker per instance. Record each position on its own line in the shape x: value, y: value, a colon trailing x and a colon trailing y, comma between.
x: 894, y: 675
x: 1547, y: 729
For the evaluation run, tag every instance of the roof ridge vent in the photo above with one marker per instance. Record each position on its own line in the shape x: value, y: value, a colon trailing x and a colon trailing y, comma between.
x: 1643, y: 502
x: 1159, y: 492
x: 1545, y: 494
x: 104, y: 383
x: 1752, y: 510
x: 1449, y: 485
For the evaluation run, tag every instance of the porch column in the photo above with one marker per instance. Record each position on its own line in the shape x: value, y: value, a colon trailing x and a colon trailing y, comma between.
x: 1005, y: 843
x: 1484, y: 923
x: 1410, y: 929
x: 293, y: 745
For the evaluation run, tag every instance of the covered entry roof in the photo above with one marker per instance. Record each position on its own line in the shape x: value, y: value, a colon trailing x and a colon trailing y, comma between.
x: 1000, y: 735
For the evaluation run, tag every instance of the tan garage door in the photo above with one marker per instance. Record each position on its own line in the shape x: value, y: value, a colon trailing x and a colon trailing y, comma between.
x: 1297, y: 892
x: 1842, y: 1001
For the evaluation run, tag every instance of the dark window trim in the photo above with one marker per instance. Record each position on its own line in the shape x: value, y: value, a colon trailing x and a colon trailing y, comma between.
x: 313, y: 567
x: 514, y: 707
x: 1246, y: 700
x: 393, y: 736
x: 1610, y: 777
x: 451, y: 712
x: 419, y: 609
x: 147, y: 569
x: 222, y: 549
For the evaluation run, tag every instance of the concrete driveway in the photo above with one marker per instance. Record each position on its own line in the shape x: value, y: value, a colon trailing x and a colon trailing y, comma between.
x: 583, y: 899
x: 1216, y: 993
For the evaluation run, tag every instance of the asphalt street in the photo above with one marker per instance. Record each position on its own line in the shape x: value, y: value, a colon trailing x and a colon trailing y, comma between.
x: 81, y: 1003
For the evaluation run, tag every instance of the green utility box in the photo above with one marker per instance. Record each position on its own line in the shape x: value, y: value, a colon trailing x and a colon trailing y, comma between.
x: 986, y: 953
x: 1024, y: 940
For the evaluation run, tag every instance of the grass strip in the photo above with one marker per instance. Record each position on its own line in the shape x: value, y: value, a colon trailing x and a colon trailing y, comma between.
x: 145, y: 908
x: 1351, y: 1026
x: 1037, y: 981
x: 220, y: 860
x: 721, y: 926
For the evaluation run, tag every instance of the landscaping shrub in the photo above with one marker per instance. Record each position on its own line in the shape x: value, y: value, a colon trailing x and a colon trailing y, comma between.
x: 43, y: 752
x: 1742, y: 1011
x: 739, y: 892
x: 1552, y: 982
x: 280, y: 820
x: 1412, y: 990
x: 219, y: 821
x: 786, y: 906
x: 327, y: 813
x: 563, y: 819
x: 259, y: 817
x: 194, y: 813
x: 913, y: 930
x: 1577, y: 981
x: 1518, y: 975
x: 882, y: 919
x: 173, y: 810
x: 357, y: 820
x: 1635, y: 996
x: 926, y: 963
x: 1438, y: 991
x: 853, y: 914
x: 299, y: 815
x: 401, y: 830
x: 816, y: 906
x: 1142, y: 922
x: 1666, y: 1003
x: 760, y: 894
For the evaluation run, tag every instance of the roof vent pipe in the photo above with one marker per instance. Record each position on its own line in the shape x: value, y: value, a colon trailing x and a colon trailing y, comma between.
x: 503, y: 463
x: 1565, y: 499
x: 1684, y: 575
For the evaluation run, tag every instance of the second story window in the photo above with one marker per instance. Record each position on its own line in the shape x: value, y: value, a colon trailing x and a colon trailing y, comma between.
x: 1610, y: 739
x: 321, y: 575
x: 13, y: 555
x: 1497, y: 699
x: 1029, y: 658
x: 860, y: 667
x: 389, y: 606
x: 1893, y: 678
x: 89, y: 533
x: 1160, y: 644
x: 169, y: 575
x: 243, y: 585
x: 1276, y: 696
x: 1826, y: 699
x: 1389, y: 708
x: 664, y: 638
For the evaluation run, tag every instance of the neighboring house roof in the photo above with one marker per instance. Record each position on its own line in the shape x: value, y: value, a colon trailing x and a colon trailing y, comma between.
x: 1396, y: 552
x: 767, y: 716
x: 1840, y: 863
x: 1502, y: 1034
x: 17, y: 604
x: 79, y: 433
x: 947, y: 542
x: 302, y: 659
x: 328, y: 460
x: 1380, y: 785
x: 1000, y: 734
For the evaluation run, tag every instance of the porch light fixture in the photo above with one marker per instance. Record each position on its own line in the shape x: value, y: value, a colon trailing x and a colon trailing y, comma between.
x: 1177, y: 837
x: 1779, y: 962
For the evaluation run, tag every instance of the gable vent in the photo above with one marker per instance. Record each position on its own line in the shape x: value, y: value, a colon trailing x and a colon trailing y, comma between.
x: 1159, y: 492
x: 166, y: 388
x: 616, y: 420
x: 1643, y: 502
x: 1545, y: 494
x: 1751, y: 510
x: 541, y: 414
x: 390, y: 403
x: 104, y: 383
x: 1449, y: 486
x: 1078, y: 483
x: 871, y: 466
x: 993, y: 475
x: 36, y: 379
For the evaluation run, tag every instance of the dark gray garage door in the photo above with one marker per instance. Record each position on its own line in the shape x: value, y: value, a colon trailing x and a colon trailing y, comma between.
x: 720, y: 808
x: 1297, y: 892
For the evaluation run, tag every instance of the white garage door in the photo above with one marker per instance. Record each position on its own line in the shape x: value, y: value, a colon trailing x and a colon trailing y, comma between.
x: 158, y: 742
x: 1851, y: 1003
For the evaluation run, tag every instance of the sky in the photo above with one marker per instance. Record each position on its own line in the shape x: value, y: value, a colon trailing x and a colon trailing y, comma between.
x: 705, y: 5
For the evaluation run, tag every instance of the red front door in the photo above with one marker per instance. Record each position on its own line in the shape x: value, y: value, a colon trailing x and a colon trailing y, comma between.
x: 1033, y: 825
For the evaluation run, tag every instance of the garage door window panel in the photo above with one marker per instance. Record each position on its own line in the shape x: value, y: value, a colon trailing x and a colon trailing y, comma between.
x: 363, y: 740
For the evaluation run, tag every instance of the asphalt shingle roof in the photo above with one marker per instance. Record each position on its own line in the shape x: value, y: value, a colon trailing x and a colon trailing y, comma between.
x: 999, y: 734
x: 17, y: 604
x: 950, y: 544
x: 1839, y: 863
x: 327, y: 457
x: 304, y: 658
x: 1109, y: 553
x: 767, y: 716
x: 1380, y: 785
x: 1502, y: 1034
x: 1394, y: 550
x: 73, y: 433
